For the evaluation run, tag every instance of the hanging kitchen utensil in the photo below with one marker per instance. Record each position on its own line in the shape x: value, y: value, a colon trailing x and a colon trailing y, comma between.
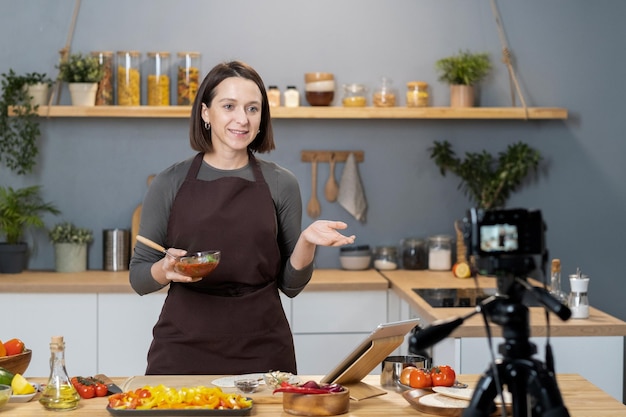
x: 313, y: 208
x: 331, y: 190
x: 134, y: 230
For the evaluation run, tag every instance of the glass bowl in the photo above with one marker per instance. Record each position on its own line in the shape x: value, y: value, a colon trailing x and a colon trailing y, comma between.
x: 198, y: 264
x: 5, y: 394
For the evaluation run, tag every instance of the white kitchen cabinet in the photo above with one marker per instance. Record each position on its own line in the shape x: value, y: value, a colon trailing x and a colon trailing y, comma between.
x: 35, y: 318
x: 125, y: 323
x: 328, y: 325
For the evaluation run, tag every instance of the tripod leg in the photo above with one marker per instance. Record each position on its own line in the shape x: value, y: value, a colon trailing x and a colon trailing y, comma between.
x: 546, y: 391
x: 482, y: 404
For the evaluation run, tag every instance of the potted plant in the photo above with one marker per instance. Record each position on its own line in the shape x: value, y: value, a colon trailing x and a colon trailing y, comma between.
x: 70, y: 246
x: 19, y: 121
x: 19, y: 209
x: 83, y: 74
x: 486, y: 180
x: 462, y: 72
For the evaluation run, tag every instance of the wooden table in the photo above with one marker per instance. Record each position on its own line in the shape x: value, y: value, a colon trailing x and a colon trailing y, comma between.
x: 582, y: 399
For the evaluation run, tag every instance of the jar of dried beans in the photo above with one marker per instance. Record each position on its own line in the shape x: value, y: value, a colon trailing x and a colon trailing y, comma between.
x: 187, y: 77
x: 158, y: 79
x: 128, y: 78
x: 417, y: 94
x: 104, y: 96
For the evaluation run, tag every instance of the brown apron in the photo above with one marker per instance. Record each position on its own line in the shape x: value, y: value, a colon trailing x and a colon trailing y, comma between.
x: 232, y: 321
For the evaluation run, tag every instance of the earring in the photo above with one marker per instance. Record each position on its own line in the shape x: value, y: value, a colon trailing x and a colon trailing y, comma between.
x: 207, y: 125
x: 258, y: 131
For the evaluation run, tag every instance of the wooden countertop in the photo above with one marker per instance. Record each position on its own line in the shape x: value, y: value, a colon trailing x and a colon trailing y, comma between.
x: 117, y: 282
x: 403, y: 282
x: 581, y: 398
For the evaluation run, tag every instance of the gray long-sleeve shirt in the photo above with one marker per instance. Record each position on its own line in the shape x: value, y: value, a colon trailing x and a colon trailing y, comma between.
x: 158, y: 202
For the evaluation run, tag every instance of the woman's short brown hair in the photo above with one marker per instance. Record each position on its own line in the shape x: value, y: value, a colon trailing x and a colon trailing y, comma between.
x: 199, y: 137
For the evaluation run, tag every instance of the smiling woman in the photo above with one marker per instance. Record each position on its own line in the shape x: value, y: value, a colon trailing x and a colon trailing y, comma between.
x: 250, y: 210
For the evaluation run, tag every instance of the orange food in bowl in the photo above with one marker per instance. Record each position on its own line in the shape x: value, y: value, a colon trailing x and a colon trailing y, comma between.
x: 198, y: 264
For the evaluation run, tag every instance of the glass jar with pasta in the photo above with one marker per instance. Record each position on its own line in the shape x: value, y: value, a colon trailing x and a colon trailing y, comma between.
x: 128, y: 78
x: 187, y: 77
x: 158, y: 79
x: 104, y: 96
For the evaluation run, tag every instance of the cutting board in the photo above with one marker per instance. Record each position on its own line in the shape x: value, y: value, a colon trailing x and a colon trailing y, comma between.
x: 263, y: 395
x: 134, y: 228
x: 438, y: 403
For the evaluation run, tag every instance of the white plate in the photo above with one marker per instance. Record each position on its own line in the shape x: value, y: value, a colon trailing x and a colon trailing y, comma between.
x: 24, y: 398
x: 229, y: 381
x: 467, y: 393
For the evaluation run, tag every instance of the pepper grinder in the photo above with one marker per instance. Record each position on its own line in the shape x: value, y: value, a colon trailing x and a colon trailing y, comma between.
x: 578, y: 299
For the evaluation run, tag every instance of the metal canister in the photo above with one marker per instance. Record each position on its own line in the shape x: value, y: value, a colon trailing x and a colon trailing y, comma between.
x: 116, y: 249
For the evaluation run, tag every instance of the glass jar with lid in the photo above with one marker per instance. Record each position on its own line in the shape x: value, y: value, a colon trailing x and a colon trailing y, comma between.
x: 187, y: 77
x: 104, y: 96
x: 128, y: 78
x: 440, y: 253
x: 417, y: 94
x: 385, y: 258
x: 354, y: 95
x: 413, y: 253
x: 385, y: 94
x: 158, y: 79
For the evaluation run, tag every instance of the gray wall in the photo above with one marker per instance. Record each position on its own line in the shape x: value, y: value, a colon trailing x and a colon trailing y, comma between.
x: 567, y: 54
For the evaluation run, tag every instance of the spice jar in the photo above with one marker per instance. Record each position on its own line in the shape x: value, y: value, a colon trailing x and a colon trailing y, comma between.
x: 413, y: 254
x: 104, y: 96
x: 385, y: 258
x: 273, y: 96
x: 354, y: 95
x: 292, y: 96
x: 439, y: 253
x: 187, y: 77
x: 417, y: 94
x: 158, y: 79
x: 385, y: 95
x: 128, y: 78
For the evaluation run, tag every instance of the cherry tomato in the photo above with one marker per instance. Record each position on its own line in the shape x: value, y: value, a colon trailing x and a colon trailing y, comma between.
x: 405, y: 375
x: 143, y: 393
x: 443, y: 376
x: 86, y: 391
x: 421, y: 379
x: 14, y: 347
x: 101, y: 390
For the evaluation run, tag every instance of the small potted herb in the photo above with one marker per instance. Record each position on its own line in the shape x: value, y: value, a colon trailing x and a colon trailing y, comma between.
x: 70, y: 246
x: 82, y: 73
x: 462, y: 72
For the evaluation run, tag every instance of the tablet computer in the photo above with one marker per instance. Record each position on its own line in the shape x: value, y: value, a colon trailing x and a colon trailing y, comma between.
x: 371, y: 352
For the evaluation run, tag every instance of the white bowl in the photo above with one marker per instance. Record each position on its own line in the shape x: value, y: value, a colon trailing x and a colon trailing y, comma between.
x: 24, y: 398
x: 355, y: 262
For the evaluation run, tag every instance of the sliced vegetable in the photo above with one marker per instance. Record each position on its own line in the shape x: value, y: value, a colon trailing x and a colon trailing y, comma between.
x: 162, y: 397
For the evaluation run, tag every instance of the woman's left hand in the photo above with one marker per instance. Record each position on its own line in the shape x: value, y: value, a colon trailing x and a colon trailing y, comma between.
x: 324, y: 233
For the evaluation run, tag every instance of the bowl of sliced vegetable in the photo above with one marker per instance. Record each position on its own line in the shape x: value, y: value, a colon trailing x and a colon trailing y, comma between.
x: 198, y: 264
x: 313, y: 399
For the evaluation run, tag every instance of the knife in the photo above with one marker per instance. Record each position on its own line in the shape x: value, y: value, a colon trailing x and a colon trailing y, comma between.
x: 113, y: 389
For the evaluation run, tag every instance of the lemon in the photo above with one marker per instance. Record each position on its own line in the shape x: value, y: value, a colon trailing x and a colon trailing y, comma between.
x: 21, y: 386
x: 462, y: 270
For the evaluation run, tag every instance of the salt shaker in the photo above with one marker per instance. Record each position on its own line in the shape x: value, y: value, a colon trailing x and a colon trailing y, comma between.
x: 578, y: 299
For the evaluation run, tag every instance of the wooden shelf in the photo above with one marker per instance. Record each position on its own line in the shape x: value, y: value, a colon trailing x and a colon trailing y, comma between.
x: 306, y: 112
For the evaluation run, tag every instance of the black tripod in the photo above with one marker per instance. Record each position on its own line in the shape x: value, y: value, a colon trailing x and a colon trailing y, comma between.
x: 531, y: 383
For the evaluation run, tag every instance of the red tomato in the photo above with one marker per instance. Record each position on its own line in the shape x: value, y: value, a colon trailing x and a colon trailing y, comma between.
x: 143, y: 393
x: 443, y: 376
x: 101, y: 390
x: 421, y: 379
x: 405, y: 375
x: 14, y: 347
x: 86, y: 391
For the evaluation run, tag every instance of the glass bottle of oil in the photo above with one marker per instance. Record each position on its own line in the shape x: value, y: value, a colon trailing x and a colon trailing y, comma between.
x: 59, y: 394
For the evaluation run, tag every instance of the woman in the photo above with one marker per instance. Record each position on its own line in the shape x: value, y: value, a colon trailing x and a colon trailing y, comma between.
x: 232, y: 321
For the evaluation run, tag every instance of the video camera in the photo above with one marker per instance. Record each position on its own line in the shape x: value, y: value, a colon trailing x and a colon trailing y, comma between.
x: 504, y: 241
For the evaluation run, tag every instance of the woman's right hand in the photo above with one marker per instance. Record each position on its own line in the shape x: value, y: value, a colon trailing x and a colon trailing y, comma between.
x: 163, y: 270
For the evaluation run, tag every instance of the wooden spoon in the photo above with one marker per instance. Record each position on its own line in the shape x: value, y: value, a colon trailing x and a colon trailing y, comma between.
x: 152, y: 244
x: 332, y: 188
x: 313, y: 209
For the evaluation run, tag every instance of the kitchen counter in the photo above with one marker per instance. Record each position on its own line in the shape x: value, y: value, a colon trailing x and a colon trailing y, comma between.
x: 103, y: 282
x: 402, y: 283
x: 581, y: 398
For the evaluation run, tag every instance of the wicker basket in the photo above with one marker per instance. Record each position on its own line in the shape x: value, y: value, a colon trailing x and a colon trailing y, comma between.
x: 17, y: 364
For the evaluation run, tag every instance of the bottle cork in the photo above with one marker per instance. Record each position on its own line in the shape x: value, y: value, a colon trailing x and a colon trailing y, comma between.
x: 556, y: 265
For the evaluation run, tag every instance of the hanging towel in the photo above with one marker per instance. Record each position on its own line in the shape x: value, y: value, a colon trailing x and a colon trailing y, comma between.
x: 351, y: 195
